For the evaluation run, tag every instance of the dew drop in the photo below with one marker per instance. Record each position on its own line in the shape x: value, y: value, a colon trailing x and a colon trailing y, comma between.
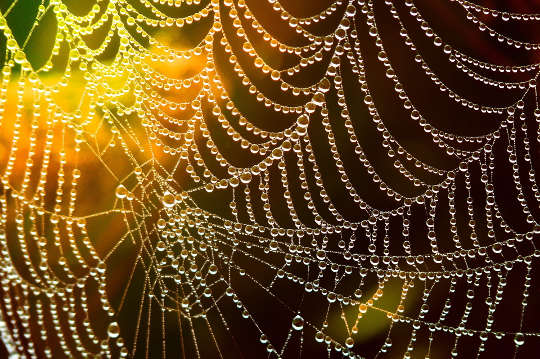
x: 114, y: 330
x: 121, y: 191
x: 519, y: 339
x: 303, y: 121
x: 20, y: 57
x: 324, y: 85
x: 161, y: 246
x: 277, y: 153
x: 298, y: 323
x: 168, y: 200
x: 318, y: 99
x: 245, y: 177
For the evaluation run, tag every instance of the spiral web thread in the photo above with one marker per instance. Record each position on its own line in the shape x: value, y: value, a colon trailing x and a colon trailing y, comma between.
x: 213, y: 203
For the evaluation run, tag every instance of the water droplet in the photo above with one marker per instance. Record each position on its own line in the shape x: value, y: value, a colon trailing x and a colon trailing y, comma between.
x: 298, y: 323
x: 310, y: 107
x: 20, y: 57
x: 161, y: 246
x: 277, y: 153
x: 245, y: 177
x: 318, y: 99
x: 12, y: 44
x: 324, y: 85
x: 121, y: 191
x: 349, y: 342
x: 168, y: 200
x: 74, y: 55
x: 519, y: 339
x: 274, y: 245
x: 185, y: 303
x: 114, y: 330
x: 286, y: 145
x: 303, y: 121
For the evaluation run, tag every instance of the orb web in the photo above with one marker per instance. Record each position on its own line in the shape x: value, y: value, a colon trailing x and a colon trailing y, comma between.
x: 241, y: 178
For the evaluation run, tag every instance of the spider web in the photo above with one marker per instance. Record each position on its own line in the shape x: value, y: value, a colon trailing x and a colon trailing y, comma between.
x: 234, y: 178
